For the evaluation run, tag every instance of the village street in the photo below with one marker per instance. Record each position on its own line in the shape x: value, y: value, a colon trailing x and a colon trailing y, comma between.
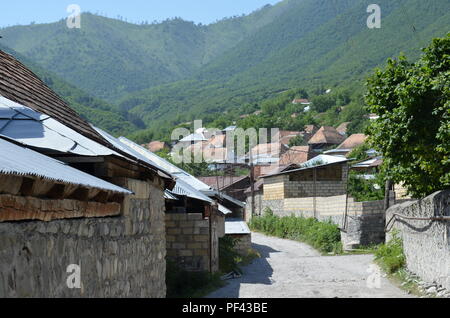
x: 289, y: 269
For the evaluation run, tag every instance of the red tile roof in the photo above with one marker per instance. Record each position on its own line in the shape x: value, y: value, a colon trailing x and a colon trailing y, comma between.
x: 353, y: 141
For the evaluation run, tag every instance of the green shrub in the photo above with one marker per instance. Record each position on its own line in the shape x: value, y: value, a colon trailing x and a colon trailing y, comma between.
x: 324, y: 236
x: 228, y: 257
x: 390, y: 256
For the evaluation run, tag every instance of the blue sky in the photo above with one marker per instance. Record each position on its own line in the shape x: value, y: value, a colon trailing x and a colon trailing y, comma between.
x: 204, y: 11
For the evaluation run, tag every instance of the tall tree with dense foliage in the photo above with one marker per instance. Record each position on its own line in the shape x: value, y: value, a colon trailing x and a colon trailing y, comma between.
x: 413, y: 131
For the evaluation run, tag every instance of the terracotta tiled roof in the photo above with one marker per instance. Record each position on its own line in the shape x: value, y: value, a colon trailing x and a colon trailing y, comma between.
x: 327, y: 135
x: 296, y: 155
x: 22, y: 86
x: 353, y: 141
x: 156, y: 146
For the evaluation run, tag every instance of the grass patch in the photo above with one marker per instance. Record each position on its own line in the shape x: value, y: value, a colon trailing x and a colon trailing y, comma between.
x: 391, y: 258
x: 324, y: 236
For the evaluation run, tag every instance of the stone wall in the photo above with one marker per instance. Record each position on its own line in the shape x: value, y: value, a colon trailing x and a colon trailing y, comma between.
x: 121, y: 256
x: 426, y: 243
x: 188, y: 241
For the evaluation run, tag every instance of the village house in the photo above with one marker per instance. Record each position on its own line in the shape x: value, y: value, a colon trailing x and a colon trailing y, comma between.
x: 324, y: 138
x: 347, y: 145
x: 156, y: 146
x: 297, y: 155
x: 79, y: 200
x: 266, y: 154
x: 285, y: 136
x: 232, y: 186
x: 196, y: 216
x: 319, y: 189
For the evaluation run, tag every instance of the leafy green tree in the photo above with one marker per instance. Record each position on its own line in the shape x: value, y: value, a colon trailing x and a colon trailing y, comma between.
x: 413, y: 131
x: 297, y: 141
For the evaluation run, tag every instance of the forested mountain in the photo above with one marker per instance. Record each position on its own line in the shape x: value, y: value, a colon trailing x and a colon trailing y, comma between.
x: 96, y: 111
x: 172, y: 72
x: 315, y: 43
x: 109, y: 58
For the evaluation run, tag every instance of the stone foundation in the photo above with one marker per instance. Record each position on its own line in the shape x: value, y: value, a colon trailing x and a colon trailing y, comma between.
x: 121, y: 256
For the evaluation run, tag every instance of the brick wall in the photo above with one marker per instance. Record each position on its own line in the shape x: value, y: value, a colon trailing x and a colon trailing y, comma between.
x: 188, y: 241
x: 121, y: 256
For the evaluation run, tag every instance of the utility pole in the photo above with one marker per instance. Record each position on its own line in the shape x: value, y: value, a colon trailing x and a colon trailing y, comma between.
x: 252, y: 182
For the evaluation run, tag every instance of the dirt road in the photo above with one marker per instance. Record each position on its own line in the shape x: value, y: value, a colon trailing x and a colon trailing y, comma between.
x: 289, y: 269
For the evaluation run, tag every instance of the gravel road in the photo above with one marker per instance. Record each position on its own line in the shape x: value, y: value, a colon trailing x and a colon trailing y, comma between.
x: 289, y: 269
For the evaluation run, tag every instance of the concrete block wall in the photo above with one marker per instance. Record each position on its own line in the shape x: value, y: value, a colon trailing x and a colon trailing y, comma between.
x: 121, y: 256
x: 258, y: 206
x: 426, y: 243
x: 243, y: 243
x: 188, y: 241
x: 364, y: 223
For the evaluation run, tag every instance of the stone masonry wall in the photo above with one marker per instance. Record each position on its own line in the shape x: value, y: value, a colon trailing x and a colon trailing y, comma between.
x: 426, y: 243
x: 188, y: 241
x: 120, y: 256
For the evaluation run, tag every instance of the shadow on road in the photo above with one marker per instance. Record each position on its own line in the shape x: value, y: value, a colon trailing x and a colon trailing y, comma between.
x: 258, y: 272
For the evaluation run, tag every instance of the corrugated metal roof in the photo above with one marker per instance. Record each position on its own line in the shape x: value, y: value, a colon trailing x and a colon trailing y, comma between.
x: 194, y: 137
x: 224, y: 210
x: 20, y: 84
x: 26, y: 126
x: 316, y: 162
x: 160, y: 162
x: 17, y: 160
x: 236, y: 226
x: 182, y: 188
x: 168, y: 195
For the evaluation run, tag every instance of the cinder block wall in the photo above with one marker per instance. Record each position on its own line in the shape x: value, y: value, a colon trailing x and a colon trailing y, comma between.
x: 426, y: 243
x: 118, y: 256
x: 188, y: 241
x: 243, y: 243
x: 365, y: 220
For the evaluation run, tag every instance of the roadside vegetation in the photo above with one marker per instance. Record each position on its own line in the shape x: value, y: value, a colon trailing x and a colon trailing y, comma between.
x: 391, y: 258
x: 324, y: 236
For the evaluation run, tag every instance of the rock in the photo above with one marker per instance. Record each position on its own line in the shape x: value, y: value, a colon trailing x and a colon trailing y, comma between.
x: 432, y: 290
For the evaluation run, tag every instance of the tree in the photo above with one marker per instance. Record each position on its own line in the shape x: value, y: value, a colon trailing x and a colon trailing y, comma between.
x: 413, y: 131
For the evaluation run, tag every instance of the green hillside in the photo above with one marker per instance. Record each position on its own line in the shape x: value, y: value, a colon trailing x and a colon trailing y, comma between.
x: 96, y: 111
x: 315, y: 43
x: 165, y: 74
x: 109, y: 58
